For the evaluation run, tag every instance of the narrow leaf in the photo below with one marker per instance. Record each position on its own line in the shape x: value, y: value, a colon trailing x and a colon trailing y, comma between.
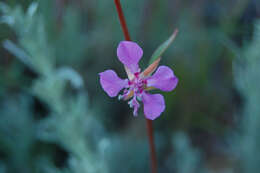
x: 17, y: 52
x: 162, y: 48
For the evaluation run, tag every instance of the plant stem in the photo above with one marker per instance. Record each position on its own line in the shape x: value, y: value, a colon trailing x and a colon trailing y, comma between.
x: 148, y: 122
x: 122, y: 19
x: 149, y: 126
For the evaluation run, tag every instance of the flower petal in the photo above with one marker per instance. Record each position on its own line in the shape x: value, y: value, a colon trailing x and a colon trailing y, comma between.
x: 111, y: 83
x: 129, y: 53
x: 163, y: 79
x: 153, y: 105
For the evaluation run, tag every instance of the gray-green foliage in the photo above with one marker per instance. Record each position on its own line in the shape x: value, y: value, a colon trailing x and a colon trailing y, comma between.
x: 247, y: 75
x: 17, y: 125
x: 186, y: 158
x: 66, y: 123
x: 29, y: 28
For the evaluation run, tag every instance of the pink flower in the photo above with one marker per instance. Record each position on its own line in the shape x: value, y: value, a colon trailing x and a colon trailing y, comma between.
x: 138, y: 83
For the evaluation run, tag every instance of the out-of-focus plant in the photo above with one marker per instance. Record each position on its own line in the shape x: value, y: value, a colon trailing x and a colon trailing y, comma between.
x: 247, y: 75
x: 186, y: 158
x: 68, y: 112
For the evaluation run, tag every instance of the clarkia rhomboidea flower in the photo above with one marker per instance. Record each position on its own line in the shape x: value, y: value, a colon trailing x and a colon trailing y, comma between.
x: 138, y: 84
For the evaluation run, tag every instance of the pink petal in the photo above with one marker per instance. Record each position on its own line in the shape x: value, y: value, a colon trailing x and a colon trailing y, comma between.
x: 163, y: 79
x: 153, y: 105
x: 129, y: 53
x: 111, y: 83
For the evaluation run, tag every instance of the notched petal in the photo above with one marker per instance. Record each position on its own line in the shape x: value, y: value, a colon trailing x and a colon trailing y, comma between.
x: 129, y: 53
x: 154, y: 105
x: 111, y: 83
x: 163, y: 79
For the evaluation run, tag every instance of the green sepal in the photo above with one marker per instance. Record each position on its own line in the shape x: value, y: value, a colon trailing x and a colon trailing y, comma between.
x: 162, y: 48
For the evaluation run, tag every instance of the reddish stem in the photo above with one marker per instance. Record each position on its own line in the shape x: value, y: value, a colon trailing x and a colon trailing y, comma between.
x: 149, y: 126
x: 148, y: 122
x: 122, y: 19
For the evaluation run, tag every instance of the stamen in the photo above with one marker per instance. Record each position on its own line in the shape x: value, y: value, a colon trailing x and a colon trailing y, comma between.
x: 139, y: 98
x: 131, y: 103
x: 120, y: 97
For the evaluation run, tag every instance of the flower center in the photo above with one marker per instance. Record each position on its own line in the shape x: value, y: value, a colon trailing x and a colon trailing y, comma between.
x: 138, y: 84
x: 135, y: 90
x: 135, y: 87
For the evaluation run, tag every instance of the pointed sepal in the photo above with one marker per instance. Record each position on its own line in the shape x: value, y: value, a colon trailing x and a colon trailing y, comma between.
x: 162, y: 48
x: 151, y: 68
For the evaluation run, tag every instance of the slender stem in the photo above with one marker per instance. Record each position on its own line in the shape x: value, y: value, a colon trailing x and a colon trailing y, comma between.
x: 149, y: 126
x: 148, y: 122
x: 122, y: 19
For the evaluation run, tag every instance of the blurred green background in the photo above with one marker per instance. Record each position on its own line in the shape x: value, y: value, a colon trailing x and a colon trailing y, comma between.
x: 55, y: 117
